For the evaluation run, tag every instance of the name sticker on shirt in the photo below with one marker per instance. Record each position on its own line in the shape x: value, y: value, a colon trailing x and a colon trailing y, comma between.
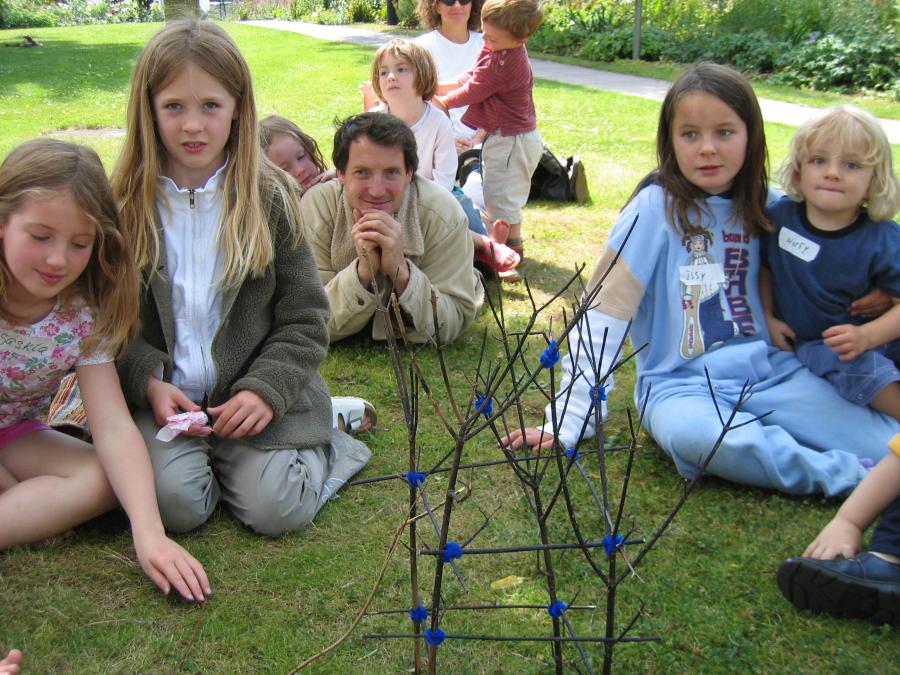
x: 702, y: 275
x: 797, y: 245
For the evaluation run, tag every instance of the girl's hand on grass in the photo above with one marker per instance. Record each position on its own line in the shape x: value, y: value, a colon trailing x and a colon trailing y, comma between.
x: 169, y: 566
x: 9, y: 665
x: 166, y: 399
x: 531, y: 437
x: 839, y: 537
x: 244, y: 414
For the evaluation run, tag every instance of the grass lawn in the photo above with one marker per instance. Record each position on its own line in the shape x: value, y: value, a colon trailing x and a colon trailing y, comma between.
x: 83, y: 605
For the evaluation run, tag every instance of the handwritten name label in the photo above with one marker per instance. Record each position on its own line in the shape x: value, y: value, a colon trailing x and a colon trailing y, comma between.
x: 702, y: 275
x: 797, y: 245
x: 27, y: 345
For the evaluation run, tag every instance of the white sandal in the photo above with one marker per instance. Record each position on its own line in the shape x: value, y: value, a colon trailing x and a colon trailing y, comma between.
x: 349, y: 412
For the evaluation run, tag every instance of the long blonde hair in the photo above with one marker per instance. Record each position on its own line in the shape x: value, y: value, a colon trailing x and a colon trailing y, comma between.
x: 252, y: 183
x: 42, y: 168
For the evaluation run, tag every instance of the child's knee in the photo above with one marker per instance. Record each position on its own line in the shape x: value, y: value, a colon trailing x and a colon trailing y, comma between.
x: 274, y: 516
x: 184, y: 505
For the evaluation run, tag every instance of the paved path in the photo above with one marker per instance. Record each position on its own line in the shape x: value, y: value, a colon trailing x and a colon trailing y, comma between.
x: 773, y: 111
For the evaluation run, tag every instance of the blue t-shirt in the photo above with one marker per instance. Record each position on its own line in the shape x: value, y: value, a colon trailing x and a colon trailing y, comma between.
x: 817, y: 274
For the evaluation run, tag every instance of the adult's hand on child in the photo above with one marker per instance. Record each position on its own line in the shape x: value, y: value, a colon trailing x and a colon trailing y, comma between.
x: 530, y: 437
x: 169, y: 566
x: 781, y: 334
x: 839, y: 537
x: 381, y: 230
x: 166, y: 399
x: 244, y: 414
x: 874, y: 303
x: 847, y: 341
x: 9, y: 665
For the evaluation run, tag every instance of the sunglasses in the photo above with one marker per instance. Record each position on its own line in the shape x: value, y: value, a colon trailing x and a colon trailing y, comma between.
x: 450, y: 3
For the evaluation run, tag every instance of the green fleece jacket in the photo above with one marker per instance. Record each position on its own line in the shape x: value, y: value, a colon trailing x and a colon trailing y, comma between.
x: 272, y: 338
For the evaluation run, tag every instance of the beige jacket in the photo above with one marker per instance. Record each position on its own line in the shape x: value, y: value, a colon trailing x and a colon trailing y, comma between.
x: 436, y: 244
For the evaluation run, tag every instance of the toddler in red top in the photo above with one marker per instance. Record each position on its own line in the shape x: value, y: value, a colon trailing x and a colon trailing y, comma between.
x: 498, y: 92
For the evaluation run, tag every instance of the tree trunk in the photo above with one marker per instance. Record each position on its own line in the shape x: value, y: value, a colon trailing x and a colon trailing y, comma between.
x: 391, y: 18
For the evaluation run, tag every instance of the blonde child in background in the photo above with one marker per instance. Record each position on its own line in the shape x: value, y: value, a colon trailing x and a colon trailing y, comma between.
x: 293, y: 151
x: 68, y: 292
x: 833, y: 242
x: 404, y: 78
x: 233, y: 315
x: 498, y: 91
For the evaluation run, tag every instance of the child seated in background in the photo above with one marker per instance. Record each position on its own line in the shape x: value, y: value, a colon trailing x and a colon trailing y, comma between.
x: 404, y: 78
x: 293, y: 151
x: 833, y: 241
x: 832, y: 578
x: 498, y: 92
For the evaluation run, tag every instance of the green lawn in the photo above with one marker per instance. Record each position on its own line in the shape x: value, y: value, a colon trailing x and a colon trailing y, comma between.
x: 82, y: 605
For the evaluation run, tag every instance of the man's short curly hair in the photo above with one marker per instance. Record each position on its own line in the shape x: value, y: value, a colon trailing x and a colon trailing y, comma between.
x: 382, y: 129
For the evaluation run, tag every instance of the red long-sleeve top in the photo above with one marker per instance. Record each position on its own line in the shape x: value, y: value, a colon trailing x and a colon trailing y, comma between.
x: 498, y: 92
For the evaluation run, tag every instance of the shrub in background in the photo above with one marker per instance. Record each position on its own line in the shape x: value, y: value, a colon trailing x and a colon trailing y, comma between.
x: 25, y: 14
x: 865, y: 60
x: 36, y: 14
x: 406, y: 13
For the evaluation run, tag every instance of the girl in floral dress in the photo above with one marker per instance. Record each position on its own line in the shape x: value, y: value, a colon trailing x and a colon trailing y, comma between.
x: 68, y: 299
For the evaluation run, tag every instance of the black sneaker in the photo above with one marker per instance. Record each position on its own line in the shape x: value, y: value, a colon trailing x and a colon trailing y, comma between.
x: 864, y: 587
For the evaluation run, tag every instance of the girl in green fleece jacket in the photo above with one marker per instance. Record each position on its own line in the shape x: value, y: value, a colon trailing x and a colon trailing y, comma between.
x: 233, y: 316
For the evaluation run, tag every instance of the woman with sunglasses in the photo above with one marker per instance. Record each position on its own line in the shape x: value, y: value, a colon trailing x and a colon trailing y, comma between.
x: 454, y: 44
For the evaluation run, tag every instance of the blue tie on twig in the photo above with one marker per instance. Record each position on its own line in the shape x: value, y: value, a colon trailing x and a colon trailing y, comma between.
x: 435, y: 638
x: 550, y: 356
x: 452, y: 551
x: 610, y: 543
x: 418, y: 614
x: 483, y: 405
x: 598, y: 393
x: 557, y: 609
x: 572, y: 454
x: 414, y: 478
